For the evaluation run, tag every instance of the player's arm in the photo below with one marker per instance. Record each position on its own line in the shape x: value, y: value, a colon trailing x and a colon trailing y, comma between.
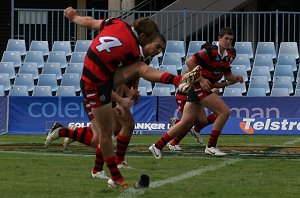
x: 83, y: 21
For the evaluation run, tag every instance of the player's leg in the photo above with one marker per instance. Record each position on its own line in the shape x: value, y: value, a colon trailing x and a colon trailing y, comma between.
x: 222, y: 112
x: 190, y: 113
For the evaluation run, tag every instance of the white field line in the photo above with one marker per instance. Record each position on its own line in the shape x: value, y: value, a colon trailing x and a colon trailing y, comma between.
x: 130, y: 193
x: 291, y: 142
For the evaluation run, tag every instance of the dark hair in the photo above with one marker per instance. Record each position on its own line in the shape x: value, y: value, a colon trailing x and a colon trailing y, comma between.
x: 161, y: 37
x: 232, y: 51
x: 148, y: 27
x: 227, y: 31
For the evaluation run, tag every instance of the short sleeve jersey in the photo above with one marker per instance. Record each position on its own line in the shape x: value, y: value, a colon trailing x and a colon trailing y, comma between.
x: 116, y: 45
x: 213, y: 66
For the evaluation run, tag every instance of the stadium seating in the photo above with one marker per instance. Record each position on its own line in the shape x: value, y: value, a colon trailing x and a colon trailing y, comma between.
x: 8, y: 68
x: 171, y: 87
x: 260, y: 82
x: 52, y: 68
x: 42, y: 91
x: 242, y: 59
x: 12, y: 56
x: 194, y: 46
x: 242, y: 86
x: 25, y: 80
x: 19, y: 90
x: 16, y: 45
x: 290, y: 48
x: 66, y: 91
x: 154, y: 62
x: 286, y: 59
x: 172, y: 59
x: 35, y: 57
x: 71, y: 79
x: 82, y: 45
x: 58, y: 57
x: 256, y: 91
x: 266, y: 48
x: 244, y: 48
x: 264, y: 60
x: 284, y: 70
x: 64, y: 46
x: 142, y: 91
x: 147, y: 84
x: 161, y: 91
x: 5, y: 81
x: 280, y: 92
x: 283, y: 82
x: 42, y: 46
x: 29, y: 68
x: 240, y: 70
x: 48, y: 80
x: 77, y: 57
x: 261, y: 71
x: 175, y: 47
x: 2, y: 93
x: 74, y: 68
x: 228, y: 91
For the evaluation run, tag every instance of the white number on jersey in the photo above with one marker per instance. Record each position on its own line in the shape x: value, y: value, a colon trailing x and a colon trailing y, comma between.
x: 107, y: 42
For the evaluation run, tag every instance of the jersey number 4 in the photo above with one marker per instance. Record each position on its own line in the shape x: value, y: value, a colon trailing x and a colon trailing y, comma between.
x: 107, y: 42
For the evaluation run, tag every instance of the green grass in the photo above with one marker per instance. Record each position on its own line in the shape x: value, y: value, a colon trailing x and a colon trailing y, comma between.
x: 29, y: 170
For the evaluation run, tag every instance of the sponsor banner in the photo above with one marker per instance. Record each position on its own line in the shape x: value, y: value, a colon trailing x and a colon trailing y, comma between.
x: 3, y: 114
x: 35, y: 115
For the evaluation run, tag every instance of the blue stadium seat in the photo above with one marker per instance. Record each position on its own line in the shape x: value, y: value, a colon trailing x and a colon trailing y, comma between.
x: 228, y: 91
x: 280, y: 92
x: 71, y: 79
x: 169, y: 68
x: 19, y: 90
x: 161, y: 91
x: 66, y: 91
x: 2, y: 93
x: 290, y: 48
x: 58, y: 57
x: 12, y: 56
x: 77, y: 57
x: 82, y: 45
x: 48, y: 80
x: 172, y: 59
x: 52, y: 68
x: 74, y: 68
x: 8, y: 68
x: 194, y: 46
x: 29, y: 68
x: 147, y: 84
x: 286, y: 59
x: 264, y: 60
x: 64, y: 46
x: 244, y: 48
x: 175, y: 47
x: 42, y: 46
x: 266, y: 48
x: 260, y: 82
x: 240, y: 70
x: 16, y: 45
x: 184, y: 69
x: 283, y: 82
x: 5, y: 81
x: 284, y: 70
x: 171, y: 87
x: 297, y: 92
x: 25, y: 80
x: 142, y: 91
x: 35, y: 57
x: 261, y: 71
x: 154, y: 62
x: 242, y: 86
x: 42, y: 91
x: 242, y: 59
x: 256, y: 91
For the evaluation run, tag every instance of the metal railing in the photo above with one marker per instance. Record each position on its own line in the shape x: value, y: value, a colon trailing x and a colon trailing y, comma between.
x: 186, y: 25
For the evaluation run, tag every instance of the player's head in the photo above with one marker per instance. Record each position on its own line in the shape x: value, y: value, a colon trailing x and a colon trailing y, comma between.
x: 155, y: 47
x: 146, y: 30
x: 225, y: 37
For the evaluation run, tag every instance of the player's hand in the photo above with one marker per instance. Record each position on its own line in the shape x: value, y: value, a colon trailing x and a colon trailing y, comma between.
x: 125, y: 102
x: 134, y: 94
x: 70, y: 13
x: 205, y: 84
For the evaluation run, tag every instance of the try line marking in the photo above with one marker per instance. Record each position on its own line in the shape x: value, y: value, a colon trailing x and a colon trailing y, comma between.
x: 156, y: 184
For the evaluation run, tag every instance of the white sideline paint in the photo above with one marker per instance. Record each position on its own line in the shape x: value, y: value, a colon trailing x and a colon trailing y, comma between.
x: 292, y: 142
x: 156, y: 184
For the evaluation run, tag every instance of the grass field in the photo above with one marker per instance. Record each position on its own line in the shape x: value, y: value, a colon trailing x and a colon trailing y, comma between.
x: 256, y: 166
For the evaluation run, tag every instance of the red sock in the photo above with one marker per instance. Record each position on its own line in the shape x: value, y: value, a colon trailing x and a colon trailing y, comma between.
x: 113, y: 169
x: 163, y: 141
x: 213, y: 138
x: 168, y: 78
x: 122, y: 144
x: 211, y: 118
x: 99, y: 162
x: 83, y: 135
x: 179, y: 137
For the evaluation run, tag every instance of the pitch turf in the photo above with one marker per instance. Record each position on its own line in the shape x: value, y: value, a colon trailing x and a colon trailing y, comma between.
x: 256, y: 166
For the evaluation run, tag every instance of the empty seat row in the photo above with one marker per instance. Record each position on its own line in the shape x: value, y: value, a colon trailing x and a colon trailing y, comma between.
x: 22, y: 90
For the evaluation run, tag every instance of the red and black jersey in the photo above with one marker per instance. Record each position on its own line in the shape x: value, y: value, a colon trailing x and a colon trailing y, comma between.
x: 116, y: 45
x: 213, y: 66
